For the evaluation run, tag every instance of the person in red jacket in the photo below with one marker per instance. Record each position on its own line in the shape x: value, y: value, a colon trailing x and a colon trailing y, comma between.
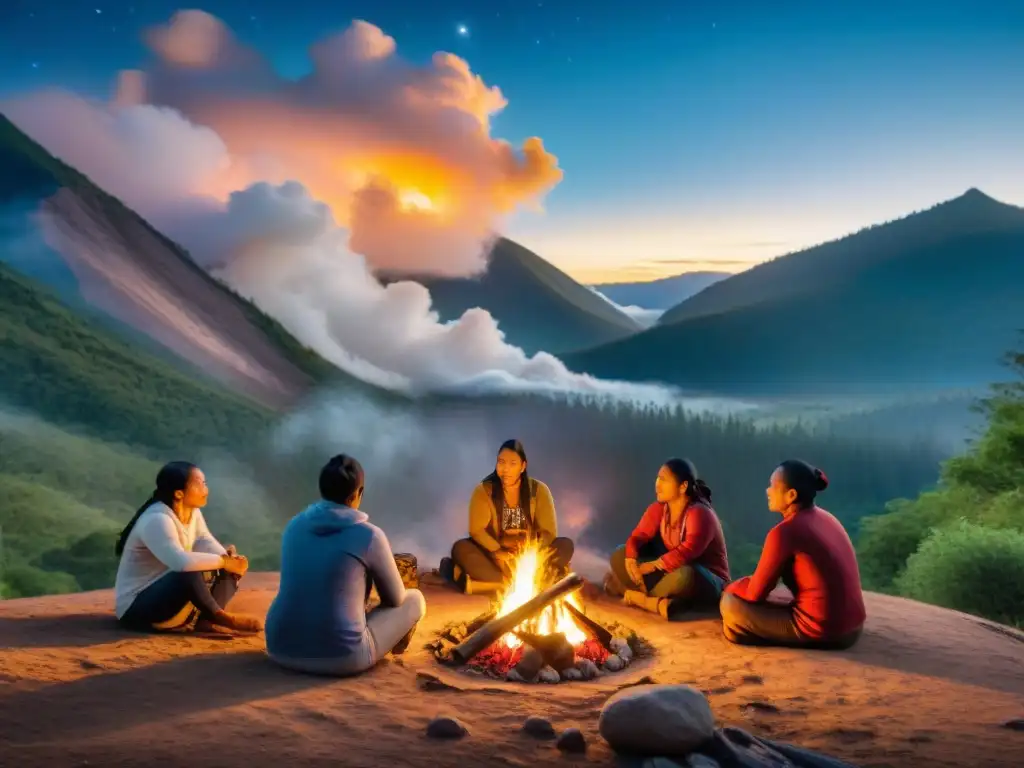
x: 675, y: 558
x: 813, y: 555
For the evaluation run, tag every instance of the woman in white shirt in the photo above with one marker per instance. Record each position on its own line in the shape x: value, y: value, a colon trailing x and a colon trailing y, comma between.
x: 172, y: 569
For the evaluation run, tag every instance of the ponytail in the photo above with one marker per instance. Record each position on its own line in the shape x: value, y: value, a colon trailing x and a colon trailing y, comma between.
x: 701, y: 491
x: 123, y: 539
x: 171, y: 478
x: 685, y: 472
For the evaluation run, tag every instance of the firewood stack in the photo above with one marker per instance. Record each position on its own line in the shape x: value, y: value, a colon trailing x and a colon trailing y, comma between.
x: 454, y: 634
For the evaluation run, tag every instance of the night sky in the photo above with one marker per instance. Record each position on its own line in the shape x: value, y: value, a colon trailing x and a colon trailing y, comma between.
x: 692, y: 134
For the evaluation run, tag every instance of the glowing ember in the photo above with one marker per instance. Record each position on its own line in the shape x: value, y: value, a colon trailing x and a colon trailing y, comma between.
x: 528, y: 575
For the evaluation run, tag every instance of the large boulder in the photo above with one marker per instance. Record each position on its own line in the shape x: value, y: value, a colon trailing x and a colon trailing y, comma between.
x: 656, y: 720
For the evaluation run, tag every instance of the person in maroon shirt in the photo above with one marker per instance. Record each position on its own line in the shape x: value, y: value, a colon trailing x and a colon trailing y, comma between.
x: 675, y: 559
x: 812, y: 554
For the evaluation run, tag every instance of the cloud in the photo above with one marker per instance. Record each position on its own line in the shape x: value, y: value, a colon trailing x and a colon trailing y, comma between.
x: 281, y: 248
x: 295, y: 191
x: 401, y: 153
x: 149, y: 155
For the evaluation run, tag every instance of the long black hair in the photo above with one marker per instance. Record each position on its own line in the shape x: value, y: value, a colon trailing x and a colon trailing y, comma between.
x: 805, y: 479
x: 498, y: 493
x: 172, y: 477
x: 684, y: 472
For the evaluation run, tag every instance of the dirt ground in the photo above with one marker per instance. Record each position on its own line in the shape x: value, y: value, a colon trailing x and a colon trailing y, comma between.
x: 924, y: 686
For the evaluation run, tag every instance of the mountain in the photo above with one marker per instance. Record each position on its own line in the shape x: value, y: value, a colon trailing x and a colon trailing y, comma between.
x: 660, y: 294
x: 73, y: 370
x: 806, y: 272
x: 105, y: 261
x: 928, y: 302
x: 538, y: 306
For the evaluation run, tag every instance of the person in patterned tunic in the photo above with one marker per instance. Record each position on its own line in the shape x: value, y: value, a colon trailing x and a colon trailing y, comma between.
x: 507, y: 509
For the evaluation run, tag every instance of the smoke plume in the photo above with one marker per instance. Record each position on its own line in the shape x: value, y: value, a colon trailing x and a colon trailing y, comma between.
x: 295, y: 191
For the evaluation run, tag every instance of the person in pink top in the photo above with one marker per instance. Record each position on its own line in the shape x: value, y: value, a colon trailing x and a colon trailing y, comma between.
x: 676, y: 558
x: 810, y: 551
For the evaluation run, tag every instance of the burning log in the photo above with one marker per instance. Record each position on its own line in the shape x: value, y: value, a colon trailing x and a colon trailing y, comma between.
x: 493, y: 630
x: 599, y: 633
x: 555, y: 649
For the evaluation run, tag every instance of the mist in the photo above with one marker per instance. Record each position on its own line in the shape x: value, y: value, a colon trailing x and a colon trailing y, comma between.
x: 422, y: 465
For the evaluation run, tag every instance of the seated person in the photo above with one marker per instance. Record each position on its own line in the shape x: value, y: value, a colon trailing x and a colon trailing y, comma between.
x: 507, y: 509
x: 675, y: 558
x: 172, y: 573
x: 812, y: 554
x: 331, y: 557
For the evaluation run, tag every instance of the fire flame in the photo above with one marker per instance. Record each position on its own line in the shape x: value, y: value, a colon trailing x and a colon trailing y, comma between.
x: 527, y: 582
x: 414, y: 200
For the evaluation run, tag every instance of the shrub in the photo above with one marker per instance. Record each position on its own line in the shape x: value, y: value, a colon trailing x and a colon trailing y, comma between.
x: 969, y: 568
x: 885, y: 542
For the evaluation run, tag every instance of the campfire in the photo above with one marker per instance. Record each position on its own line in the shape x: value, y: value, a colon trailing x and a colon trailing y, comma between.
x: 536, y: 631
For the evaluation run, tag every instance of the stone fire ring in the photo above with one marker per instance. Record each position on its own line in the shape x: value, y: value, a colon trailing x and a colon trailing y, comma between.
x: 526, y: 665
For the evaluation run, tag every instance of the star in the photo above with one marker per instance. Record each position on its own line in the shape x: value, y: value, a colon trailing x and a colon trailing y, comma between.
x: 98, y: 11
x: 463, y: 30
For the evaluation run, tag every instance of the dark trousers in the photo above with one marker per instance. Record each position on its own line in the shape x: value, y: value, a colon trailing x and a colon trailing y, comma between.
x: 478, y: 563
x: 207, y: 592
x: 689, y: 586
x: 746, y: 623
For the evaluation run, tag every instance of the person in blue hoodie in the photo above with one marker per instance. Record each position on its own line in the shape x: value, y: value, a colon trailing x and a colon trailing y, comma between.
x: 331, y: 555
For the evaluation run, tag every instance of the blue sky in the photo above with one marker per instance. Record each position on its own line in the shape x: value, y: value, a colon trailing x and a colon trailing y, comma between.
x: 693, y: 135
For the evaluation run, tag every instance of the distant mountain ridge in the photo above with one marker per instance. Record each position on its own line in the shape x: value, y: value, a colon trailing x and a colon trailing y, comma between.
x: 663, y: 293
x: 537, y: 306
x: 832, y: 262
x: 926, y: 303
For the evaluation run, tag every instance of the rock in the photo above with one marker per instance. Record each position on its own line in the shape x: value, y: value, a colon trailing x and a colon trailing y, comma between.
x: 753, y: 680
x: 548, y: 675
x: 614, y: 663
x: 530, y: 664
x: 656, y: 720
x: 661, y: 762
x: 645, y: 680
x: 620, y: 647
x: 514, y: 677
x: 429, y: 682
x: 572, y: 674
x: 571, y: 740
x: 760, y: 706
x: 1014, y: 725
x: 538, y: 727
x: 697, y: 760
x: 446, y: 728
x: 587, y: 668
